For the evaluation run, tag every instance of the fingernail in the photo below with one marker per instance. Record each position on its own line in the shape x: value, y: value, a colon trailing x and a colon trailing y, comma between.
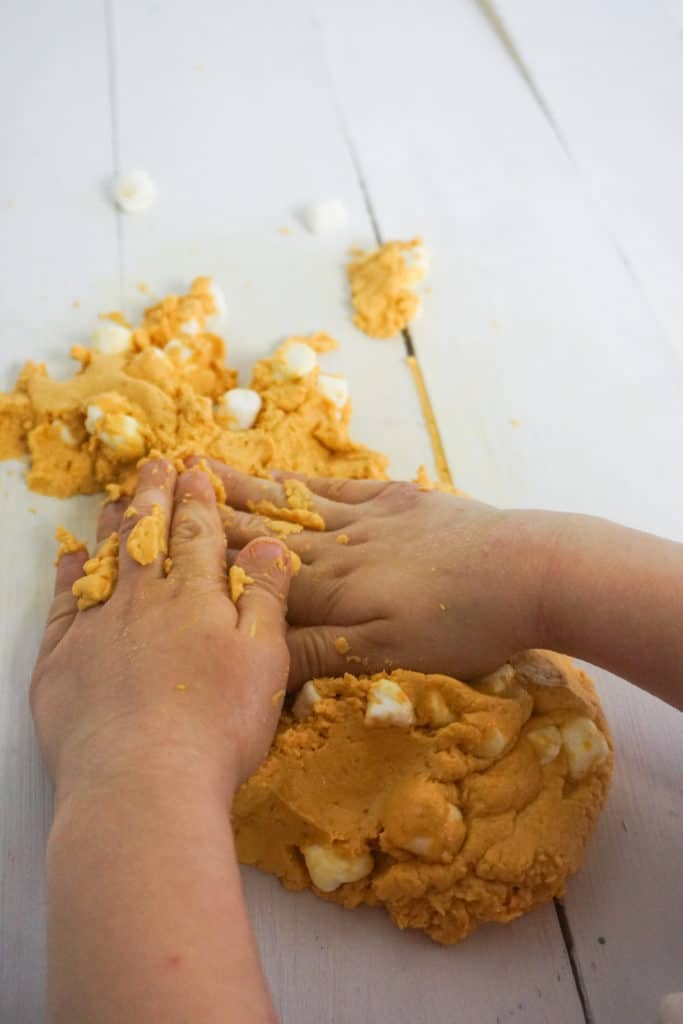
x: 262, y: 554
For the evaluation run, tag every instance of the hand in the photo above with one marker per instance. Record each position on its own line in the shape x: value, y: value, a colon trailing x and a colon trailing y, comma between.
x: 169, y: 675
x: 427, y: 581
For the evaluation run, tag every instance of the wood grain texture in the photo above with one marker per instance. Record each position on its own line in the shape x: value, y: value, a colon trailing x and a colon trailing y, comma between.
x: 554, y: 384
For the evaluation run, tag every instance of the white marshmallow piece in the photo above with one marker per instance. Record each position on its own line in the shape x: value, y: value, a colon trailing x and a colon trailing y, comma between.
x: 218, y: 296
x: 93, y: 414
x: 129, y: 436
x: 135, y: 191
x: 328, y: 869
x: 191, y: 326
x: 242, y: 405
x: 334, y: 389
x: 326, y: 217
x: 585, y: 745
x: 498, y: 682
x: 547, y: 742
x: 178, y: 350
x: 299, y: 360
x: 388, y: 705
x: 438, y: 712
x: 65, y: 434
x: 491, y: 745
x: 110, y: 339
x: 421, y: 846
x: 306, y: 699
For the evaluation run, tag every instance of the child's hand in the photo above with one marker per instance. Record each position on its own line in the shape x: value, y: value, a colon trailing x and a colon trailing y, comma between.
x: 169, y: 676
x: 428, y: 581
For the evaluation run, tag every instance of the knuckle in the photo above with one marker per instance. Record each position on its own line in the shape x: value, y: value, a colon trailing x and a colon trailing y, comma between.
x: 188, y: 529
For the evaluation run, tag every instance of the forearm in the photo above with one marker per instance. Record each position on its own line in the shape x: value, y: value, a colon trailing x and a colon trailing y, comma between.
x: 614, y: 597
x: 146, y: 920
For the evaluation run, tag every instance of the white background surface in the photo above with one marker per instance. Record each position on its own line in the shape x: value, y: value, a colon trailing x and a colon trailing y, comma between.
x: 539, y: 149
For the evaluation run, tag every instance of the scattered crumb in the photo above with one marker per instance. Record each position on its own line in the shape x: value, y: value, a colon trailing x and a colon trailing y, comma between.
x: 342, y: 645
x: 514, y: 422
x: 442, y: 606
x: 76, y: 303
x: 130, y: 512
x: 33, y: 510
x: 352, y: 658
x: 143, y: 287
x: 197, y: 67
x: 342, y: 538
x: 252, y: 630
x: 168, y: 565
x: 181, y: 686
x: 284, y: 231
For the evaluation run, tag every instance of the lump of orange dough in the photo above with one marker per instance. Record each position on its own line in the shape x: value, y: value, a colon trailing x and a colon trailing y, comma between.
x: 147, y: 539
x: 160, y: 394
x: 239, y: 580
x: 383, y: 286
x: 68, y: 544
x: 413, y: 817
x: 100, y: 574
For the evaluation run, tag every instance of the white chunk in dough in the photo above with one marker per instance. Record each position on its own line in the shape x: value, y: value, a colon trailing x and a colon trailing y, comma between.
x: 306, y: 699
x: 242, y: 405
x: 328, y: 869
x: 491, y: 745
x: 585, y: 745
x: 299, y: 360
x: 110, y: 339
x: 388, y: 704
x: 334, y: 389
x: 547, y: 742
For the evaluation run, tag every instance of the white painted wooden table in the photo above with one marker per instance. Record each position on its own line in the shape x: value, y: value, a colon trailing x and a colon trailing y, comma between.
x: 539, y: 149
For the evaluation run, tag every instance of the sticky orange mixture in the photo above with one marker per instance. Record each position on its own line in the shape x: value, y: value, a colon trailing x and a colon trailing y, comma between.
x: 160, y: 387
x: 473, y: 804
x: 383, y: 286
x: 239, y: 581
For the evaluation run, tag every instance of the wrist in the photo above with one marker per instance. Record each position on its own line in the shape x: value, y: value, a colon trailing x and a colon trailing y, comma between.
x: 535, y: 543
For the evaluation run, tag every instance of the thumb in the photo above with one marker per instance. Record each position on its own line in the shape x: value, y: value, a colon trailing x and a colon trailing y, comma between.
x: 262, y: 604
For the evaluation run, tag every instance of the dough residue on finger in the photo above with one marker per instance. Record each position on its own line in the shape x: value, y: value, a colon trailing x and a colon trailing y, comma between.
x: 239, y: 580
x: 99, y: 575
x: 147, y: 540
x: 68, y: 543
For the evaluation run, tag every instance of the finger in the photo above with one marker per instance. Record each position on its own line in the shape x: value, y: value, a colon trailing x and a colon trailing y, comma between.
x: 197, y: 542
x: 319, y: 651
x: 110, y: 518
x: 144, y: 527
x: 262, y: 606
x: 243, y: 527
x: 350, y: 492
x: 248, y: 493
x: 64, y: 606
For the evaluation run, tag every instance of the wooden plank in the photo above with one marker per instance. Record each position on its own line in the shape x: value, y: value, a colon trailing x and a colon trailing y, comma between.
x: 58, y: 245
x: 237, y: 147
x: 554, y: 385
x: 611, y: 76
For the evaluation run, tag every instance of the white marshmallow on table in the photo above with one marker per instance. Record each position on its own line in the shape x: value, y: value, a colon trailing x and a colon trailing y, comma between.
x: 110, y: 338
x: 491, y: 745
x: 135, y: 191
x: 328, y: 869
x: 242, y: 405
x: 325, y: 217
x: 299, y: 360
x: 585, y: 745
x: 177, y: 348
x: 388, y: 705
x: 306, y: 699
x: 547, y: 742
x: 334, y: 389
